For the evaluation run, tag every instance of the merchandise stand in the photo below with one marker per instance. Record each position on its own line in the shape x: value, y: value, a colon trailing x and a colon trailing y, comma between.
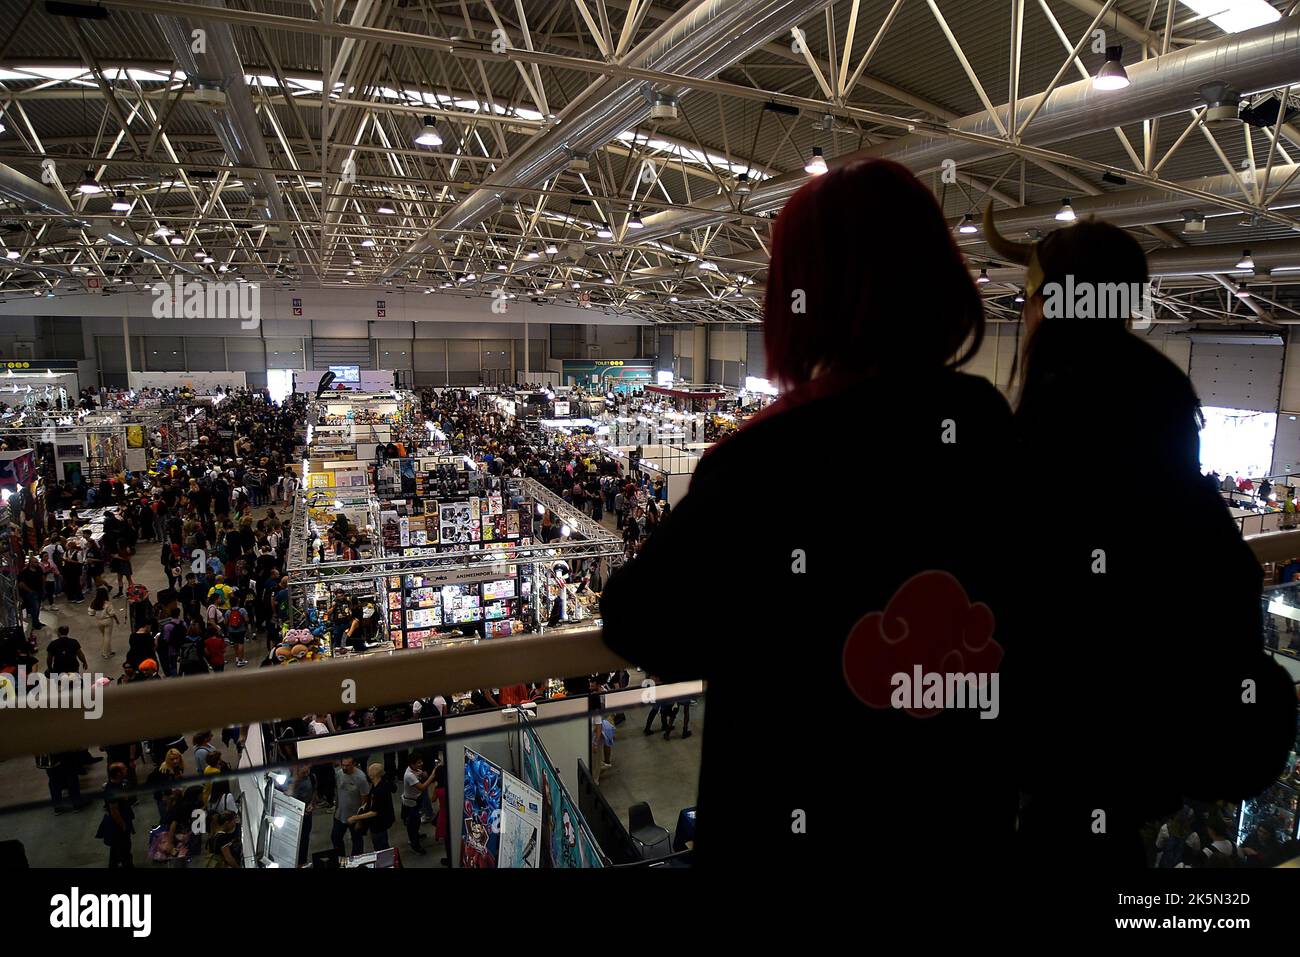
x: 11, y: 559
x: 98, y: 445
x: 497, y: 585
x: 673, y: 464
x: 358, y: 423
x: 55, y: 390
x: 22, y: 492
x: 314, y: 510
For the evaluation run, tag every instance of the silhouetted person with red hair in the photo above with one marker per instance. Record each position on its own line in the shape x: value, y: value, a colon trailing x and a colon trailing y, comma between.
x: 803, y: 607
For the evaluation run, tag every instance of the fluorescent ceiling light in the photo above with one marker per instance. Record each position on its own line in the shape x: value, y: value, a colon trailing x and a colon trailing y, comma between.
x: 1234, y: 16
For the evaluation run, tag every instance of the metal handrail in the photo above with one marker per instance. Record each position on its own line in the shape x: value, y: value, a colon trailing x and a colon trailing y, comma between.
x: 139, y: 711
x: 144, y: 710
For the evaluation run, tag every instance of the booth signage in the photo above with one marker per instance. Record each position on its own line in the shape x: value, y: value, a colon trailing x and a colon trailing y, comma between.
x: 40, y: 365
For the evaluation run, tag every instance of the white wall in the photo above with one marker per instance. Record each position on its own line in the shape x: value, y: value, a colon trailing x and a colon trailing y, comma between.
x: 997, y: 354
x: 201, y: 381
x: 1237, y: 376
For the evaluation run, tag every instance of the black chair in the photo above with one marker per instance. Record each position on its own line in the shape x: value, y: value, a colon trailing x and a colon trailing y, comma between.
x: 651, y: 839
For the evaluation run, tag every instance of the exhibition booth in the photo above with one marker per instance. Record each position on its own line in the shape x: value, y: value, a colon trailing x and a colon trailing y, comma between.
x: 689, y: 397
x: 449, y: 552
x: 673, y: 464
x: 31, y: 389
x: 346, y: 379
x: 519, y: 790
x: 356, y: 424
x: 79, y: 447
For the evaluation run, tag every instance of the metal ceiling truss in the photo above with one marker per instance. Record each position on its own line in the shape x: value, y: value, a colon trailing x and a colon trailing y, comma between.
x: 565, y: 126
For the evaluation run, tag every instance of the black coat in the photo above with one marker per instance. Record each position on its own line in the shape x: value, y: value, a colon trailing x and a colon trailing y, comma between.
x: 1146, y: 604
x: 831, y: 473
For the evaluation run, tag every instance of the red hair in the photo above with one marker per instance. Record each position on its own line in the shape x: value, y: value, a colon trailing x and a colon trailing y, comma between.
x: 865, y: 253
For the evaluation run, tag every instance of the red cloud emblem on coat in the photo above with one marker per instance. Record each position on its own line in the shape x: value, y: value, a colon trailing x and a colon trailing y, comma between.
x: 931, y: 622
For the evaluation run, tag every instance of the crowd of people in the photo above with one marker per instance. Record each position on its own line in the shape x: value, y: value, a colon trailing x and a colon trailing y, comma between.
x: 570, y: 465
x: 216, y: 518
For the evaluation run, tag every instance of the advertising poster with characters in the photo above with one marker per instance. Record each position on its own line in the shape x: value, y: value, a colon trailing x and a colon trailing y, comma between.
x: 521, y: 824
x: 566, y: 842
x: 480, y: 835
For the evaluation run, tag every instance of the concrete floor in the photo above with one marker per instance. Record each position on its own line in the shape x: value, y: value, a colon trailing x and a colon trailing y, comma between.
x: 665, y: 774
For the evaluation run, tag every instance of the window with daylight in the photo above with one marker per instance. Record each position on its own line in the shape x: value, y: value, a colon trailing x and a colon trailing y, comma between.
x: 1237, y: 442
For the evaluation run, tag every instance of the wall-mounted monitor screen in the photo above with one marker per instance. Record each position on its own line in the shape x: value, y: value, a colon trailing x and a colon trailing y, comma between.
x: 346, y: 373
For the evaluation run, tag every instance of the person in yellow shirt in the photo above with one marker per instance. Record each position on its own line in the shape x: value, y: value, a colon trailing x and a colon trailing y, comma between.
x: 221, y: 593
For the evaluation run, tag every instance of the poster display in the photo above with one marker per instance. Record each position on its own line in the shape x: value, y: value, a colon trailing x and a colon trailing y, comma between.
x: 135, y: 436
x: 566, y: 842
x: 521, y: 824
x: 480, y: 835
x: 458, y: 522
x: 284, y: 828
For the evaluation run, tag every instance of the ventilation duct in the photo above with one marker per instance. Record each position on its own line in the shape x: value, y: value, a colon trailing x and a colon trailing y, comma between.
x: 1264, y: 58
x: 700, y: 40
x: 219, y: 70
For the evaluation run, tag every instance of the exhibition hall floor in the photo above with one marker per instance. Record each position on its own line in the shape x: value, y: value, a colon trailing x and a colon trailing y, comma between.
x: 646, y: 767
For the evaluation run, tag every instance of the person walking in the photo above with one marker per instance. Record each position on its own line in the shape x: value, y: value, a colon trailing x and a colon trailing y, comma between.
x: 31, y: 590
x: 118, y: 823
x: 105, y: 617
x: 350, y: 788
x: 415, y: 785
x: 63, y: 655
x: 375, y: 816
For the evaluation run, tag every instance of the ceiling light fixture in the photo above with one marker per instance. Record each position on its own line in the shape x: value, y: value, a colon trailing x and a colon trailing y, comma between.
x: 120, y: 205
x: 1112, y: 75
x: 1246, y: 261
x: 386, y: 207
x: 89, y: 185
x: 983, y: 278
x: 1066, y: 213
x: 634, y: 221
x: 604, y: 232
x: 428, y: 135
x: 816, y: 164
x: 968, y: 225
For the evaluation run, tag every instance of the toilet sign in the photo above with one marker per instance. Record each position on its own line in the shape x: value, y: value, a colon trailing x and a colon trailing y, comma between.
x: 380, y: 310
x: 297, y: 307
